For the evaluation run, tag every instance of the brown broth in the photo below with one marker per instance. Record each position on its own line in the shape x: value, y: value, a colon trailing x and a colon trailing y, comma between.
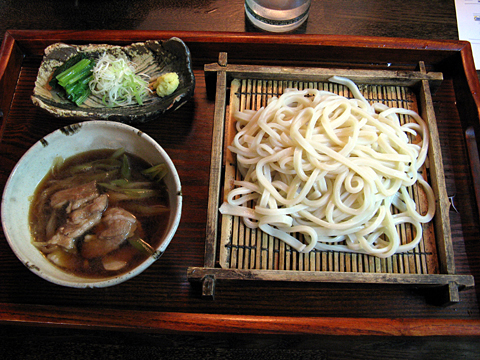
x: 41, y: 213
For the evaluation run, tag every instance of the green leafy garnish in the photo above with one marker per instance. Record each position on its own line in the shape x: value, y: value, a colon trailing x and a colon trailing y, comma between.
x: 73, y: 78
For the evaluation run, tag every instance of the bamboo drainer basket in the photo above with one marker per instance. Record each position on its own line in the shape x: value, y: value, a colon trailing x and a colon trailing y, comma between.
x: 233, y: 251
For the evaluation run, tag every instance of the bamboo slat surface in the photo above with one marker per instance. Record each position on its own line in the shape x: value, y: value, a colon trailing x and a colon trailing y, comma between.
x: 244, y: 248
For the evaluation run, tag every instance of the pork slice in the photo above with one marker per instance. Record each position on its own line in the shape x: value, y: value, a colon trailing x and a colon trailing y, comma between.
x: 117, y: 226
x: 97, y: 205
x: 120, y: 224
x: 75, y: 197
x: 79, y: 222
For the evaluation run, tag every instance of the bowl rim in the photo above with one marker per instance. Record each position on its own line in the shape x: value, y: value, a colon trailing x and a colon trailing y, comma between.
x: 77, y: 281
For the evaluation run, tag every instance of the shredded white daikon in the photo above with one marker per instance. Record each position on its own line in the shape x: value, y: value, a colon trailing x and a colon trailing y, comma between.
x: 116, y: 82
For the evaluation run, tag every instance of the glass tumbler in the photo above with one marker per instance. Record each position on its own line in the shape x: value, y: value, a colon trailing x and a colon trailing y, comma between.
x: 277, y: 15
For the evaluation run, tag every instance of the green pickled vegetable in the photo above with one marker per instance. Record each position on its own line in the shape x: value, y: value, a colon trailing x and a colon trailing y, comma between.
x: 73, y: 78
x: 73, y: 72
x: 66, y: 65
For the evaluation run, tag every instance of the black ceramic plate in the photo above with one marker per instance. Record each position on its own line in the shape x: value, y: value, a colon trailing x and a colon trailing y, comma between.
x: 152, y: 58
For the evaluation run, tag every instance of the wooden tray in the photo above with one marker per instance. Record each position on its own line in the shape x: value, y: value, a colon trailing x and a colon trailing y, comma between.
x: 253, y: 255
x: 162, y: 299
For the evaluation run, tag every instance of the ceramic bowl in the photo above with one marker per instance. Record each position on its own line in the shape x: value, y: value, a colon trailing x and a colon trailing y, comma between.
x: 151, y: 58
x: 66, y: 142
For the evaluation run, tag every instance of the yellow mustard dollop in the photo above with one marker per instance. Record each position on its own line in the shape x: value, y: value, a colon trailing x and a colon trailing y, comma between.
x: 166, y: 84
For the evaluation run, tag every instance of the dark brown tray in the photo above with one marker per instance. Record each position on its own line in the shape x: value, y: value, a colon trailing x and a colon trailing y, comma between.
x: 162, y: 299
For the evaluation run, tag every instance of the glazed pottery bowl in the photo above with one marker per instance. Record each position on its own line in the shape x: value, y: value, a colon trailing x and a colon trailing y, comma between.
x: 64, y: 143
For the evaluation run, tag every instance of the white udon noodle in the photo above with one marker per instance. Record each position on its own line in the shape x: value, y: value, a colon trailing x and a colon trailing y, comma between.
x: 336, y: 170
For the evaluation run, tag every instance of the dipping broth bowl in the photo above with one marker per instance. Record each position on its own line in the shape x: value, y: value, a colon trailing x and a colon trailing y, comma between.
x: 36, y: 163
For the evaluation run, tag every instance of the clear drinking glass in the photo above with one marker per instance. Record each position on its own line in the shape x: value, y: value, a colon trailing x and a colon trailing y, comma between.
x: 277, y: 15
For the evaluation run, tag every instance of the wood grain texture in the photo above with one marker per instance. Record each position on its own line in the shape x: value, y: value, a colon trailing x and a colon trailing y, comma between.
x: 428, y: 19
x: 152, y: 301
x: 178, y: 322
x: 165, y: 288
x: 28, y: 342
x: 187, y: 135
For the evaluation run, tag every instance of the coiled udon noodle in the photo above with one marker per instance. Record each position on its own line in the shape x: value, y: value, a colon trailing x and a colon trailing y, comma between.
x: 336, y: 170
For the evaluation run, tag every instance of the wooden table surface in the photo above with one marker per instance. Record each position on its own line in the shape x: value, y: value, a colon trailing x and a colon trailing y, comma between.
x: 416, y: 19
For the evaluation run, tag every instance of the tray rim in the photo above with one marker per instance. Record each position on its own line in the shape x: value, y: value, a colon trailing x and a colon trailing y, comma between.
x: 205, y: 323
x: 18, y: 42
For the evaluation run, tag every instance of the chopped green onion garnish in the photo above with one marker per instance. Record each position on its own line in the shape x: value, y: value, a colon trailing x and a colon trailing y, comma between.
x: 116, y: 83
x: 125, y: 169
x: 141, y: 245
x: 119, y: 152
x: 156, y: 173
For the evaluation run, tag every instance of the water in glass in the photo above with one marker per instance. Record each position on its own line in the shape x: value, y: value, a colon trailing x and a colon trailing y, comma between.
x: 277, y: 15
